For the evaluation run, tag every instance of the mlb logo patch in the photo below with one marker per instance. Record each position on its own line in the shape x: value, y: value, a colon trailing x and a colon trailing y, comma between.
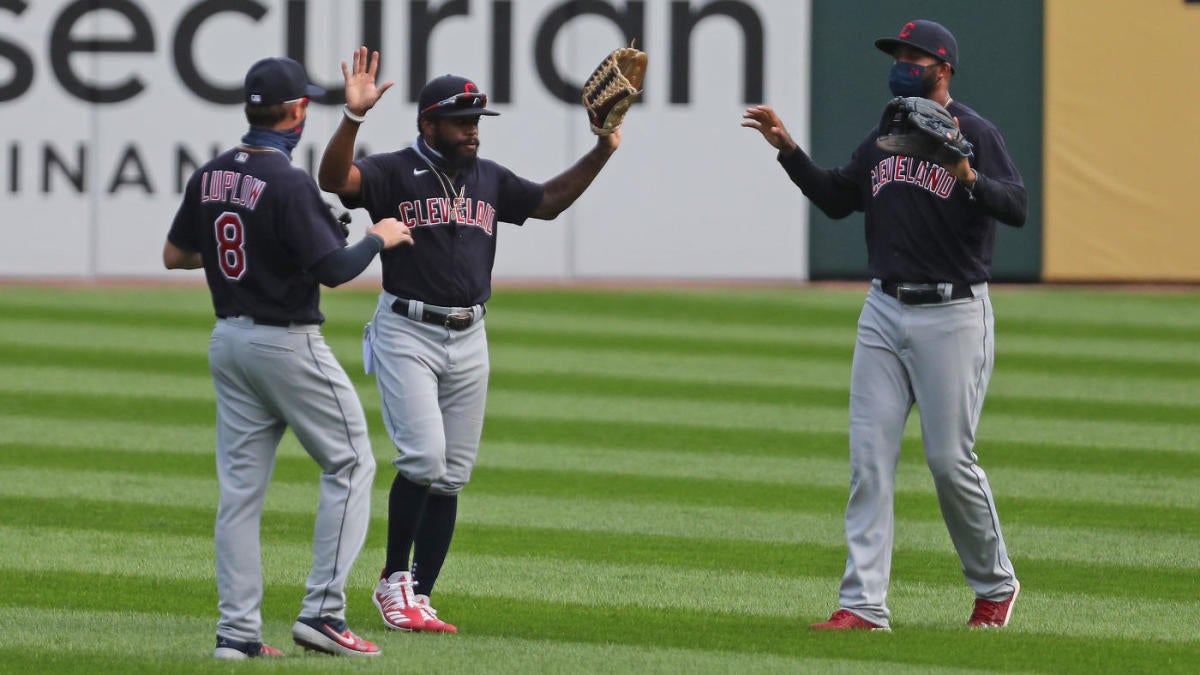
x: 241, y: 157
x: 255, y: 98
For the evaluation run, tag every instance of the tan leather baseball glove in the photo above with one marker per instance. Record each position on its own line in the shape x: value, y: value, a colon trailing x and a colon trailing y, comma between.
x: 613, y: 87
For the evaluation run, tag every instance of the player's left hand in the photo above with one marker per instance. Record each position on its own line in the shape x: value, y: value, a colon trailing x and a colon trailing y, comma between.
x: 361, y: 91
x: 609, y: 142
x: 961, y: 168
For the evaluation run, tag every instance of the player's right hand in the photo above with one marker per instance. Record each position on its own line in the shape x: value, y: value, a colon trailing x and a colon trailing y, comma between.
x: 764, y: 119
x: 392, y: 231
x: 361, y: 92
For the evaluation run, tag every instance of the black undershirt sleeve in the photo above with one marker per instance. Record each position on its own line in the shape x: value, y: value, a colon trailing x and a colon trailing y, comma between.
x: 1003, y: 201
x: 829, y: 190
x: 346, y: 263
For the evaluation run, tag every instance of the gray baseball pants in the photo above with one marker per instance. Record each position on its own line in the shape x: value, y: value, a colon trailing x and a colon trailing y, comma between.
x: 268, y: 379
x: 939, y: 357
x: 433, y: 388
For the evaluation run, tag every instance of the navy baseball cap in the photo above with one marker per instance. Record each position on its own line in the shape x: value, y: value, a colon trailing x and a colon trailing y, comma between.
x: 451, y: 96
x: 930, y: 37
x: 275, y: 80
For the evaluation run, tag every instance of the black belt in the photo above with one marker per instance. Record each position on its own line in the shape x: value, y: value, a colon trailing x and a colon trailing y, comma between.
x: 278, y: 323
x: 452, y: 318
x: 925, y: 293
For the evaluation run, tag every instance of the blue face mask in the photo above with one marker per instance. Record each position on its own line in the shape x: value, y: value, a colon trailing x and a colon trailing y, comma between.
x: 283, y: 141
x: 908, y: 79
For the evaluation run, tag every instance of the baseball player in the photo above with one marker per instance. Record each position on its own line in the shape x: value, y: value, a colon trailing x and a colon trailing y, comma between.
x: 426, y: 342
x: 925, y: 335
x: 264, y: 237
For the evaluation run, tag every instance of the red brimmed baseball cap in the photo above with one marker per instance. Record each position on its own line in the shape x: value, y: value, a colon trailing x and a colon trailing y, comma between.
x: 275, y: 80
x: 930, y: 37
x: 451, y: 96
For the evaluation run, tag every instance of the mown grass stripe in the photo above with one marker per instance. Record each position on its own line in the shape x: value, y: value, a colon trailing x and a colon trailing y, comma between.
x: 807, y: 395
x: 34, y: 431
x: 712, y: 492
x: 797, y: 593
x: 183, y: 645
x: 601, y: 514
x: 697, y: 553
x: 622, y: 410
x: 650, y: 627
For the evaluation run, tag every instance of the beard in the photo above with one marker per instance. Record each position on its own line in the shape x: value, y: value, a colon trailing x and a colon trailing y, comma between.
x: 459, y: 155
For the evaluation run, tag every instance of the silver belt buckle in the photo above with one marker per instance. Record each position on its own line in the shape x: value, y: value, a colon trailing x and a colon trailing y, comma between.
x: 458, y: 320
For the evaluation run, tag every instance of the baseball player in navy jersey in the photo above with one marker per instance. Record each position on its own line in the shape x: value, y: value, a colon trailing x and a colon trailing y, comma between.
x: 925, y: 335
x: 426, y: 342
x: 259, y: 228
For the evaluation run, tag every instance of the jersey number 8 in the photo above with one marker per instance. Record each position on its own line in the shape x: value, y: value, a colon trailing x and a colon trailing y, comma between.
x: 231, y: 245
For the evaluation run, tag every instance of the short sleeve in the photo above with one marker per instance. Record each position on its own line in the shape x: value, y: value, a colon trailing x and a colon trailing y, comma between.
x: 518, y: 197
x: 183, y: 233
x: 374, y: 172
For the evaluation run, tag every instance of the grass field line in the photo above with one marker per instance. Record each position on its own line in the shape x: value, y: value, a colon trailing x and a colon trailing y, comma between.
x: 182, y: 643
x: 641, y: 464
x: 586, y: 583
x: 801, y: 471
x: 741, y: 337
x: 582, y: 513
x: 725, y: 415
x: 743, y: 371
x: 1184, y: 437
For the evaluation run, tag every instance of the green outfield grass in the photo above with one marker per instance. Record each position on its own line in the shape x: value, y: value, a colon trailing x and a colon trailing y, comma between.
x: 660, y: 489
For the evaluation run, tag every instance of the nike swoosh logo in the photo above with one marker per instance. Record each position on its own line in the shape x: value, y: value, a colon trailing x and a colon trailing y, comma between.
x: 420, y: 172
x: 343, y: 639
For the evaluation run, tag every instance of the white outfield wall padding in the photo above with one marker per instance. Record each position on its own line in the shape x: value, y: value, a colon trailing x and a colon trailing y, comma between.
x: 107, y: 106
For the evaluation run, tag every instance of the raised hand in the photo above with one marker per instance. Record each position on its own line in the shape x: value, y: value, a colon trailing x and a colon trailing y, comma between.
x: 764, y: 119
x: 361, y: 91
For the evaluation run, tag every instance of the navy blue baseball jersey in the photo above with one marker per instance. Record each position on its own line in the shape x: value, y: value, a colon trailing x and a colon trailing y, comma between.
x: 260, y: 225
x: 921, y: 225
x: 453, y: 223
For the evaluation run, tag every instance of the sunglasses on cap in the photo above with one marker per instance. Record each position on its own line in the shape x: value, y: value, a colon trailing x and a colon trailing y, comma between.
x: 467, y: 99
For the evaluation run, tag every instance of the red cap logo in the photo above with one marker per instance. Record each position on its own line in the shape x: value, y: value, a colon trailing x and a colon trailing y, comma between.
x: 907, y: 30
x: 942, y: 51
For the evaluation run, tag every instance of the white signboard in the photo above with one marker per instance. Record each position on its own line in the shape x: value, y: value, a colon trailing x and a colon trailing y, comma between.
x: 106, y: 106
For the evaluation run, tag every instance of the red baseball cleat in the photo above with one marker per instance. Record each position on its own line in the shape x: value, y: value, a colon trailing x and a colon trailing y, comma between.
x: 844, y: 619
x: 432, y: 623
x: 993, y: 614
x: 394, y: 598
x: 330, y: 636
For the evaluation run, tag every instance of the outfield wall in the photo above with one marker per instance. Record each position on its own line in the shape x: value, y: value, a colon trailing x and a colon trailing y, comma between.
x: 106, y: 105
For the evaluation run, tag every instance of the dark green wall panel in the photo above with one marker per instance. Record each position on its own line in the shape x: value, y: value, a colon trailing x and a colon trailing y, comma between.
x: 999, y: 75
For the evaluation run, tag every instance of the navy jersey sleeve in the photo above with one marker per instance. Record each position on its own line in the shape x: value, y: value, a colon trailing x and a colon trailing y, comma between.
x: 308, y: 227
x: 518, y: 197
x: 376, y: 184
x: 183, y: 232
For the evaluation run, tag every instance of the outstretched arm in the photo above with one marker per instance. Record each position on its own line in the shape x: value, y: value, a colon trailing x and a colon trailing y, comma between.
x: 829, y: 190
x: 562, y: 190
x: 337, y: 172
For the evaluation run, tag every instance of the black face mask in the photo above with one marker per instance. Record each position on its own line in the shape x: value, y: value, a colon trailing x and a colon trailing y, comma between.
x: 909, y: 79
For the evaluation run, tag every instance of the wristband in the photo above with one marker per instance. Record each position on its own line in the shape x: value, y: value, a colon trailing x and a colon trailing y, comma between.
x: 357, y: 119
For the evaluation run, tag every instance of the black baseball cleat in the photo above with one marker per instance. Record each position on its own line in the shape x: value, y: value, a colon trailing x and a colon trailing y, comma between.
x: 235, y: 649
x: 330, y: 636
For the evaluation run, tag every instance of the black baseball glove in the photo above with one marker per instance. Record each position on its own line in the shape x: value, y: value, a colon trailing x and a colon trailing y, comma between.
x: 921, y: 128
